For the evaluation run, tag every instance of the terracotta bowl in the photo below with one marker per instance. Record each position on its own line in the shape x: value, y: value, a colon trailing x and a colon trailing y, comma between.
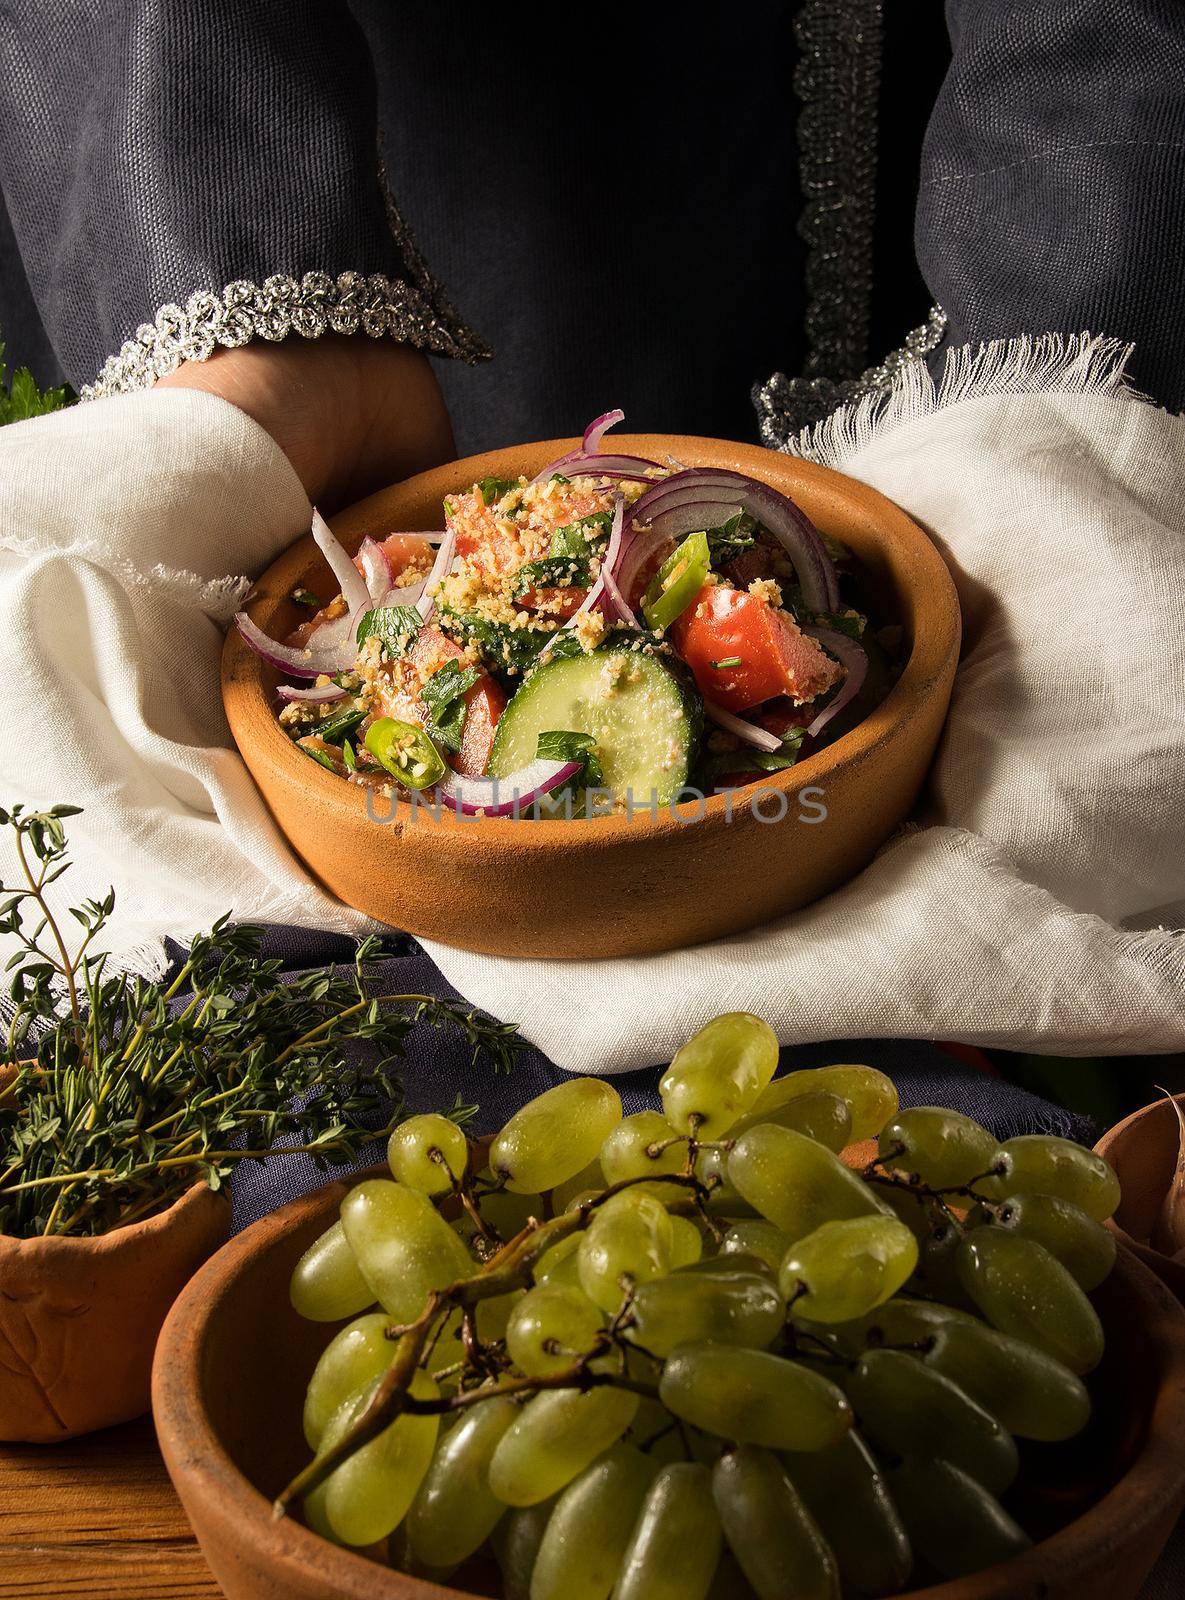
x: 79, y: 1317
x: 1143, y: 1150
x: 644, y: 883
x: 234, y: 1359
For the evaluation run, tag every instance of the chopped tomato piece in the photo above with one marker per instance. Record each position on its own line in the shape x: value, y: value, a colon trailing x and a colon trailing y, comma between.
x: 562, y: 603
x: 763, y: 651
x: 399, y: 689
x: 404, y: 550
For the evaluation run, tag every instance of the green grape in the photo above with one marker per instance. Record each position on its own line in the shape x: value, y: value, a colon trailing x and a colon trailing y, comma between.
x: 728, y: 1581
x: 676, y: 1541
x: 327, y: 1284
x: 589, y: 1180
x: 493, y: 1316
x: 551, y: 1327
x: 555, y: 1135
x: 1033, y: 1395
x: 795, y: 1183
x: 429, y: 1153
x: 629, y: 1239
x: 740, y: 1309
x: 444, y: 1348
x: 557, y: 1434
x: 1022, y: 1290
x: 351, y: 1361
x: 826, y: 1118
x: 402, y: 1244
x: 559, y: 1263
x: 638, y: 1148
x: 716, y: 1076
x: 774, y: 1538
x: 367, y: 1497
x: 687, y: 1243
x: 454, y: 1510
x: 952, y: 1520
x: 1037, y: 1163
x: 506, y: 1213
x: 757, y: 1238
x: 900, y: 1321
x: 843, y: 1269
x: 871, y: 1097
x: 516, y: 1544
x: 937, y: 1274
x: 920, y: 1213
x: 753, y: 1397
x: 736, y: 1262
x: 943, y: 1149
x: 844, y: 1489
x: 589, y: 1529
x: 581, y: 1197
x: 908, y: 1408
x: 1083, y: 1246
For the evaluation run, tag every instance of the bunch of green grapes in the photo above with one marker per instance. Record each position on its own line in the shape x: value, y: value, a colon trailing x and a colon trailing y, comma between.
x: 693, y: 1352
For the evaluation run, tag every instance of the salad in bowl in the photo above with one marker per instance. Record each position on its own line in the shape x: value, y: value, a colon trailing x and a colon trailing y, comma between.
x: 613, y: 631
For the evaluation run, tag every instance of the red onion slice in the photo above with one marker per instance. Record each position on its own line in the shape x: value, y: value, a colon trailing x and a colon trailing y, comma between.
x: 749, y: 732
x: 851, y: 656
x: 376, y: 570
x: 579, y: 465
x: 500, y: 797
x: 776, y: 512
x: 350, y: 580
x: 321, y: 694
x: 298, y: 663
x: 426, y: 601
x: 596, y: 431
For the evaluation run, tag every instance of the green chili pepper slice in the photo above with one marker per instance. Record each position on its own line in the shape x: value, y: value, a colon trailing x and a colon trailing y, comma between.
x: 406, y: 752
x: 677, y: 582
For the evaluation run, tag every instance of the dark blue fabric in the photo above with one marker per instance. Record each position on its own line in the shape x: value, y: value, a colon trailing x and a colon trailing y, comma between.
x: 439, y: 1067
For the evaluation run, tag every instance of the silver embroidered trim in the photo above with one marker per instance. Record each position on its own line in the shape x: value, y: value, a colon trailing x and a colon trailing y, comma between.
x: 317, y: 303
x: 837, y: 80
x: 786, y: 406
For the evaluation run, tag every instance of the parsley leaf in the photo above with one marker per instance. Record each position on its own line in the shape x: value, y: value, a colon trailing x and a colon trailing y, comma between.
x: 444, y: 695
x: 492, y: 489
x: 732, y: 538
x: 396, y: 626
x: 553, y: 572
x: 572, y: 540
x: 561, y: 745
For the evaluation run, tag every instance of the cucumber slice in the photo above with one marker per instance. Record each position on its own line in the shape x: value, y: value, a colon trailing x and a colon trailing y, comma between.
x: 644, y: 719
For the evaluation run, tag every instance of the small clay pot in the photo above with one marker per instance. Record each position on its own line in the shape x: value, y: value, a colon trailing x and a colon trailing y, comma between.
x: 79, y: 1317
x: 234, y: 1360
x: 697, y: 871
x: 1143, y: 1150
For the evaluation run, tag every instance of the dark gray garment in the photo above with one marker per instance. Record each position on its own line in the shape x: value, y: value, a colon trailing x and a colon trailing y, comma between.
x: 611, y: 204
x: 1053, y: 177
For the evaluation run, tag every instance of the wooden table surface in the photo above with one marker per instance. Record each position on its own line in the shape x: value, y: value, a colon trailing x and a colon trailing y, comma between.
x: 96, y: 1517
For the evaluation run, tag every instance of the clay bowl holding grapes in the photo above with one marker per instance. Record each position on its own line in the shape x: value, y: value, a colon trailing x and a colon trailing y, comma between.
x: 666, y: 875
x: 1101, y: 1474
x: 1147, y: 1150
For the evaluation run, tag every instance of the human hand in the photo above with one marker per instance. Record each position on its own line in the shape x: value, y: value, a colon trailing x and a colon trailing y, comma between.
x: 351, y: 415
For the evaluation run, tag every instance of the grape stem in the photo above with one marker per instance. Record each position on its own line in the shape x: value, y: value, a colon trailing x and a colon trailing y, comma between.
x: 508, y: 1269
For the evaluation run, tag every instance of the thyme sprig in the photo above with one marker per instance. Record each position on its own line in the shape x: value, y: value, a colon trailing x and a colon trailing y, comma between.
x: 119, y: 1092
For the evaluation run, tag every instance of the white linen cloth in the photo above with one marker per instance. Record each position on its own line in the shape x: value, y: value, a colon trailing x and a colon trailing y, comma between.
x: 1038, y: 903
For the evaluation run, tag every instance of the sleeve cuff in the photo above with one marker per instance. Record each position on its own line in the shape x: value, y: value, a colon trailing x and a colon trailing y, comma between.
x: 314, y: 304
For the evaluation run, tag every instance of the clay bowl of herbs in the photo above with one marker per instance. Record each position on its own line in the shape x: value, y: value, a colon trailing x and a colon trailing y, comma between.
x: 125, y: 1105
x: 654, y: 877
x: 1147, y: 1150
